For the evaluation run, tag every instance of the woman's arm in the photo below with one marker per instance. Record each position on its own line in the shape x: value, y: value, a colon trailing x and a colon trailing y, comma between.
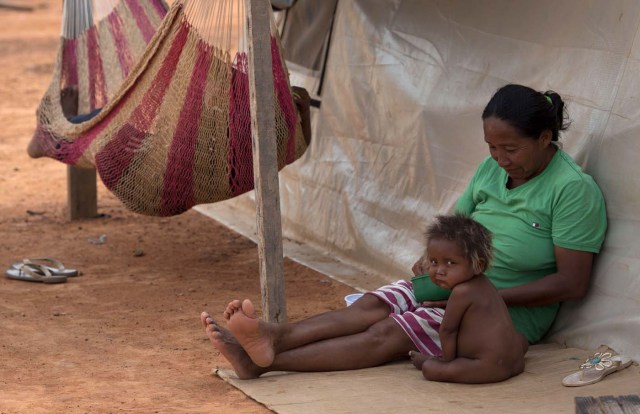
x: 571, y: 281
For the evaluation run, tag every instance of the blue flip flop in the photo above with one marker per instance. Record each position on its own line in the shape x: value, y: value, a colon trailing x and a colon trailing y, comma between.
x: 55, y: 267
x: 31, y: 272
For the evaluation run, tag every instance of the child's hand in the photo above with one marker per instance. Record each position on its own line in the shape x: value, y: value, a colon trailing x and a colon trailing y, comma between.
x: 418, y: 358
x: 434, y: 304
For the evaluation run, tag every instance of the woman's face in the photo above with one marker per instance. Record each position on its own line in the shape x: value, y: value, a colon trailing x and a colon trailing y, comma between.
x: 521, y: 157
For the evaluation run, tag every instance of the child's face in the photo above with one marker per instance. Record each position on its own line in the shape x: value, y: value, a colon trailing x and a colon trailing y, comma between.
x: 447, y: 264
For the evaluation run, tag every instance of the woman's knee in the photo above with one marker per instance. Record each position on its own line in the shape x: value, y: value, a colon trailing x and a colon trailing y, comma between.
x: 389, y: 337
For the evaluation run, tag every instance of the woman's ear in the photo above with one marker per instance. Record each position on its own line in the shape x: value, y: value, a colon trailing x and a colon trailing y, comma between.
x: 546, y: 137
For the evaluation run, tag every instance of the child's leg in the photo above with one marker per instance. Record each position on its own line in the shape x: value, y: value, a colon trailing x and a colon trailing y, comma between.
x: 464, y: 370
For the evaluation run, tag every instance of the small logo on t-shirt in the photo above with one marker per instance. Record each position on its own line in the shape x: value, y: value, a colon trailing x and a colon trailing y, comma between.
x: 535, y: 225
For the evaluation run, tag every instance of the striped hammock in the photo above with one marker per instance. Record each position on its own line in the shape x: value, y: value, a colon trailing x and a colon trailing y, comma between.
x: 173, y: 128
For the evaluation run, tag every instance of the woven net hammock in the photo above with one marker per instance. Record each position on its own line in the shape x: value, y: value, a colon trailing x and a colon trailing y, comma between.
x: 174, y: 126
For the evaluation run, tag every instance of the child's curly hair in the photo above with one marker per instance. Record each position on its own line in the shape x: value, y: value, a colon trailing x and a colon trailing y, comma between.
x: 471, y: 237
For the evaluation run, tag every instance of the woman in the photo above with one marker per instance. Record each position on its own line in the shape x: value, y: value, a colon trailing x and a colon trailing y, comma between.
x: 548, y: 220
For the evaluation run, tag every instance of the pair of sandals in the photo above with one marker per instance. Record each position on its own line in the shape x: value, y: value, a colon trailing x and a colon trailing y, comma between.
x: 595, y: 368
x: 44, y: 270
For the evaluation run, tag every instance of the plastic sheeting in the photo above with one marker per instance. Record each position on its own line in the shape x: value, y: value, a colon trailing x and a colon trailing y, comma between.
x: 399, y: 133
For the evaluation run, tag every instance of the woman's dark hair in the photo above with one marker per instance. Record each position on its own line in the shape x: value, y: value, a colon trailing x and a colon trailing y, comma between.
x: 529, y: 111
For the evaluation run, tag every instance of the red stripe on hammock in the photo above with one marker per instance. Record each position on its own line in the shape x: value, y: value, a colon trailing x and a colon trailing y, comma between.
x: 97, y: 84
x: 142, y: 20
x: 240, y: 157
x: 121, y: 43
x: 285, y: 101
x: 69, y: 69
x: 177, y: 192
x: 114, y: 159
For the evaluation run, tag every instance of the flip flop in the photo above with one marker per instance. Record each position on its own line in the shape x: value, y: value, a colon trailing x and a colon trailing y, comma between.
x: 596, y: 368
x: 55, y: 267
x: 34, y: 273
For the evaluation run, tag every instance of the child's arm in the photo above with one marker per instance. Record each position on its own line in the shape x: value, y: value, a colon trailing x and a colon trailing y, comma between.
x: 456, y: 307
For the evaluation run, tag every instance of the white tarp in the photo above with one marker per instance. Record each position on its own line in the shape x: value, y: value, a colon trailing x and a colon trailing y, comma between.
x: 399, y: 133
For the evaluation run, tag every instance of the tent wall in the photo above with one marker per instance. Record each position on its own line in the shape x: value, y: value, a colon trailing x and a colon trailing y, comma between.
x: 399, y: 133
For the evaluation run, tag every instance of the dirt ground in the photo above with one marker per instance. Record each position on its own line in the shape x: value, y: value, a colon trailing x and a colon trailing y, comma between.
x: 125, y: 335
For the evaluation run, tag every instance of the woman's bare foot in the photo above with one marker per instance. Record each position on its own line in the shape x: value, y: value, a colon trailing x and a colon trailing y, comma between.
x: 233, y: 307
x: 253, y: 334
x: 418, y: 359
x: 229, y: 347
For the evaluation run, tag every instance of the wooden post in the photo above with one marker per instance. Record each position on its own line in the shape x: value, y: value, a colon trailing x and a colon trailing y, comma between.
x: 82, y: 193
x: 265, y: 161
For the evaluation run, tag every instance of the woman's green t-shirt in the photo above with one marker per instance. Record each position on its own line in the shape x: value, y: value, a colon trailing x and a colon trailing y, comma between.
x: 561, y: 207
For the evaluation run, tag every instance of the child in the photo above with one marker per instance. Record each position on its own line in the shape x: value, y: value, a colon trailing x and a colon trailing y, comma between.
x: 479, y: 341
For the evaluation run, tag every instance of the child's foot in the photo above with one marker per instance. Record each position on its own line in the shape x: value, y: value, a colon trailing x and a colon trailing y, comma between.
x: 253, y: 334
x: 69, y: 101
x: 224, y: 342
x: 418, y: 359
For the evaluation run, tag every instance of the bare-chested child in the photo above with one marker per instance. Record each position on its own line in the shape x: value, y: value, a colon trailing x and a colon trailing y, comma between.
x: 478, y: 338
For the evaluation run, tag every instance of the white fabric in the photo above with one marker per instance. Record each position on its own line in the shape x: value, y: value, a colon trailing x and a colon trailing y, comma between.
x: 399, y: 133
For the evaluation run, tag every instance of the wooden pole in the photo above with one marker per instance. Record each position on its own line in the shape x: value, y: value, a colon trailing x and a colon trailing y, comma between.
x: 82, y: 190
x: 265, y: 161
x: 82, y: 193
